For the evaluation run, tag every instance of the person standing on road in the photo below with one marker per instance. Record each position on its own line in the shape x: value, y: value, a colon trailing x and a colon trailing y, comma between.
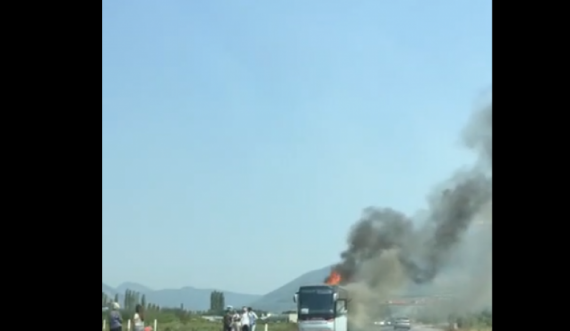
x: 252, y: 318
x: 236, y: 321
x: 228, y: 319
x: 138, y: 318
x: 115, y: 319
x: 245, y: 320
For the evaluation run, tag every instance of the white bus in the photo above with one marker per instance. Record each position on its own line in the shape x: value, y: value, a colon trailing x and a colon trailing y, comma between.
x: 322, y: 308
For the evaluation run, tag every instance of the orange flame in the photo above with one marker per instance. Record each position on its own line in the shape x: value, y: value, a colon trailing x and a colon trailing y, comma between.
x: 334, y: 278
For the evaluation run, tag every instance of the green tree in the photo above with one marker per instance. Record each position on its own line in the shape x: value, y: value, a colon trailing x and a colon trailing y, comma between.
x: 217, y: 302
x: 130, y: 301
x: 132, y: 298
x: 126, y: 299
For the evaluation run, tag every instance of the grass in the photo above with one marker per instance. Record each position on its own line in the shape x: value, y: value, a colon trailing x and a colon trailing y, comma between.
x: 475, y: 327
x: 199, y: 324
x: 212, y: 326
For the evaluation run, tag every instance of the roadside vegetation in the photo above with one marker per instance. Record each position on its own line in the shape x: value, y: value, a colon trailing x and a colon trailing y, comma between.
x: 176, y: 320
x: 481, y: 321
x: 181, y: 319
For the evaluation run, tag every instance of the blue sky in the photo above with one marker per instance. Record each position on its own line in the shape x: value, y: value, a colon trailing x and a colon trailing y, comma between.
x: 263, y: 128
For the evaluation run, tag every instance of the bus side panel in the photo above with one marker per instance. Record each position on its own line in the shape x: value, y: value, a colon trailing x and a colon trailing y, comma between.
x: 316, y: 325
x: 341, y: 323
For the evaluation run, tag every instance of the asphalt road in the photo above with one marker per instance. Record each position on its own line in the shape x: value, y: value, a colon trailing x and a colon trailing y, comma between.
x: 424, y: 328
x: 414, y: 328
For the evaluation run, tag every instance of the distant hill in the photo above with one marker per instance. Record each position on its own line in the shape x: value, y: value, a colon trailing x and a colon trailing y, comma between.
x: 192, y: 298
x: 281, y: 299
x: 276, y: 301
x: 133, y: 287
x: 108, y: 290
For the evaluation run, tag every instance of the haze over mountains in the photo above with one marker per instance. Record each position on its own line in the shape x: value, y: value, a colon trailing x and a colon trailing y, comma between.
x: 278, y: 300
x: 192, y: 298
x: 281, y: 299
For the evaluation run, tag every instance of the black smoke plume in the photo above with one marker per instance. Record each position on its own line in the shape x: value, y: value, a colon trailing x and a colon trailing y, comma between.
x: 423, y: 251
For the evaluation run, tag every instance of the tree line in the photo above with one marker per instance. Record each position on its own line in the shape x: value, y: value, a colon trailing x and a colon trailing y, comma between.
x: 132, y: 298
x: 217, y: 302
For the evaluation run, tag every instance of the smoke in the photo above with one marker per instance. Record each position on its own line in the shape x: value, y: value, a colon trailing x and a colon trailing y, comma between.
x: 389, y: 255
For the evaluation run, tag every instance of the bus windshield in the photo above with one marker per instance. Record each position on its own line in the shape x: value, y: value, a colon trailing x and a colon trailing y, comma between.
x: 316, y: 304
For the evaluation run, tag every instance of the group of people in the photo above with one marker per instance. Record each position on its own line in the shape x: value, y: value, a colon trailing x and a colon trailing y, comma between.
x: 116, y: 320
x: 233, y: 321
x: 244, y: 321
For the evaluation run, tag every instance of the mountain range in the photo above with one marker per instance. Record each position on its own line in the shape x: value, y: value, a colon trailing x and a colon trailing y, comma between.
x: 276, y: 301
x: 192, y: 298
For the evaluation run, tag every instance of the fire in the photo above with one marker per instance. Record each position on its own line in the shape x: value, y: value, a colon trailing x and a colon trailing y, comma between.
x: 334, y: 278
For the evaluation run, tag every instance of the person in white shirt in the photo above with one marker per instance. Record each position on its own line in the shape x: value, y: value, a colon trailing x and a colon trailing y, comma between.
x: 236, y: 326
x: 245, y: 320
x: 252, y: 319
x: 138, y: 318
